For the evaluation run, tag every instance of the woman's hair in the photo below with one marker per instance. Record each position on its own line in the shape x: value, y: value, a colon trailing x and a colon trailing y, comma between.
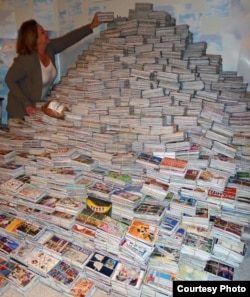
x: 26, y: 38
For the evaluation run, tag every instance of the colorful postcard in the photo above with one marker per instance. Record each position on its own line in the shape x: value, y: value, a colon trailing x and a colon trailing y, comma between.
x: 102, y: 264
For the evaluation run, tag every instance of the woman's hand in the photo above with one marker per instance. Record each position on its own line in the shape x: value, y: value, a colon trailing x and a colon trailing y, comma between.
x: 95, y: 23
x: 31, y: 110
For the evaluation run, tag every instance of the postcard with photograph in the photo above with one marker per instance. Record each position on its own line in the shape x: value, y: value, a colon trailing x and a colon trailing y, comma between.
x: 83, y: 287
x: 169, y: 224
x: 232, y: 228
x: 128, y: 275
x: 113, y: 227
x: 199, y: 242
x: 76, y: 254
x: 89, y: 218
x: 147, y: 209
x: 5, y: 220
x: 220, y: 269
x: 14, y: 224
x: 47, y: 203
x: 144, y: 232
x: 160, y: 280
x: 124, y: 195
x: 136, y: 248
x: 57, y: 244
x: 7, y: 245
x: 12, y: 185
x: 102, y: 264
x: 5, y: 267
x: 32, y: 230
x: 64, y: 274
x: 31, y: 192
x: 3, y: 282
x: 42, y: 262
x: 21, y: 276
x: 82, y: 230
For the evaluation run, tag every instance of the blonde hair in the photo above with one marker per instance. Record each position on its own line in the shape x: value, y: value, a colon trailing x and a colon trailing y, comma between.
x: 27, y: 37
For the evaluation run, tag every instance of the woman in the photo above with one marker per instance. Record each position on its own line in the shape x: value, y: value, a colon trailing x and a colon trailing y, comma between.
x: 34, y: 70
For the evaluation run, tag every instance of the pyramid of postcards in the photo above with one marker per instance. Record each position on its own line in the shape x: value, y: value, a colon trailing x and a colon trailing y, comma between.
x: 143, y: 159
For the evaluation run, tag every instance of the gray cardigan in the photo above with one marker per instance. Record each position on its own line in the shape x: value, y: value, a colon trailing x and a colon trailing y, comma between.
x: 24, y: 77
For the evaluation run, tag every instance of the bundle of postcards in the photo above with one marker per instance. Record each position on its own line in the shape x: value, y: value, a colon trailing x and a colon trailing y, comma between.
x: 83, y: 235
x: 190, y: 178
x: 180, y: 204
x: 30, y: 230
x: 101, y: 190
x: 11, y: 186
x: 11, y: 170
x: 196, y: 250
x: 105, y: 16
x: 232, y: 252
x: 135, y: 252
x: 109, y: 234
x: 56, y: 245
x: 147, y: 160
x: 155, y: 188
x: 219, y: 270
x: 124, y: 201
x: 7, y: 202
x: 5, y: 220
x: 79, y: 189
x: 41, y: 262
x: 70, y: 205
x: 100, y: 268
x: 88, y: 221
x: 158, y: 282
x: 165, y: 257
x: 77, y: 255
x: 62, y: 219
x: 177, y: 236
x: 97, y: 173
x: 61, y: 157
x: 138, y: 243
x: 227, y: 230
x: 83, y: 162
x: 4, y: 283
x: 173, y: 167
x: 82, y: 287
x: 169, y: 225
x: 62, y: 277
x: 201, y: 218
x: 188, y: 272
x: 151, y: 214
x: 117, y: 179
x: 61, y: 175
x: 16, y: 275
x: 7, y: 156
x: 11, y: 228
x: 127, y: 280
x: 8, y: 244
x: 228, y: 238
x: 23, y: 253
x: 30, y: 193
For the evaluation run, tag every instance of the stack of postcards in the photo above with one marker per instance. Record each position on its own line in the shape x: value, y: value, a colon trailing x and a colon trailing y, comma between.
x: 100, y: 268
x: 127, y: 280
x: 109, y: 234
